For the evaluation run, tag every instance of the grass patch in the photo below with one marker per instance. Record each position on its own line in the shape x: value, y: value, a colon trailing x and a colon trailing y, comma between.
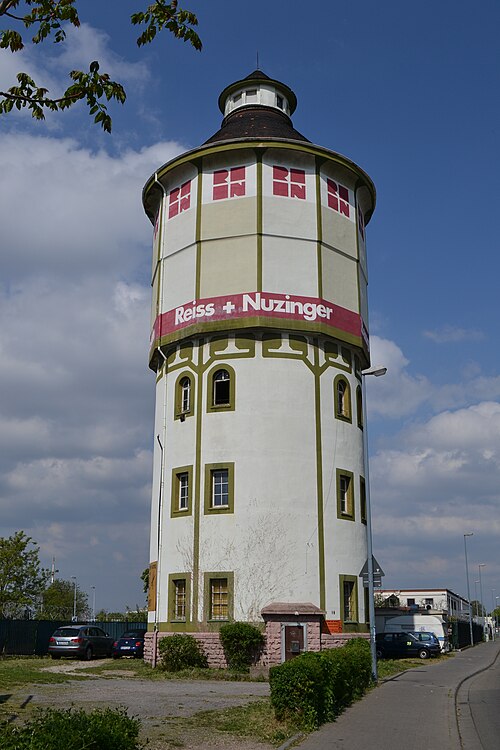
x: 254, y: 721
x: 138, y: 668
x: 19, y: 671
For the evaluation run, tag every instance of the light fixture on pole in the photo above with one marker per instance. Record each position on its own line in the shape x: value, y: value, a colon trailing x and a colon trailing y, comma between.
x: 74, y: 598
x: 93, y: 603
x: 377, y: 372
x: 481, y: 565
x: 470, y: 533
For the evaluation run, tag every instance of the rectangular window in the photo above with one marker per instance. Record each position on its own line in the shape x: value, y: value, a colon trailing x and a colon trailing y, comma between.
x: 338, y: 197
x: 429, y: 602
x: 220, y: 488
x: 228, y: 183
x: 183, y: 480
x: 410, y: 602
x: 179, y: 596
x: 289, y: 183
x: 179, y: 199
x: 345, y: 494
x: 219, y: 599
x: 349, y: 601
x: 362, y: 499
x: 179, y: 599
x: 180, y: 500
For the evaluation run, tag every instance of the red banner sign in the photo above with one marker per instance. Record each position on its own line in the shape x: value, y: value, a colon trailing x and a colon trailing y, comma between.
x: 259, y: 304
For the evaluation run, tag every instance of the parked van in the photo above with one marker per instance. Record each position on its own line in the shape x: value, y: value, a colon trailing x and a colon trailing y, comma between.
x: 426, y: 623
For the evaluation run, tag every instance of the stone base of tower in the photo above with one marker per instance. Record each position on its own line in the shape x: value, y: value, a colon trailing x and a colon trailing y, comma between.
x: 291, y: 628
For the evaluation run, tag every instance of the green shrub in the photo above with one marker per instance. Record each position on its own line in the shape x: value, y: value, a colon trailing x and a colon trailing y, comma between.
x: 297, y: 691
x: 102, y: 729
x: 316, y: 687
x: 181, y: 651
x: 241, y: 642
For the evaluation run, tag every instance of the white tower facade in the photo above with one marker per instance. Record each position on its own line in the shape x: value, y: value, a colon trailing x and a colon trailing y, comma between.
x: 259, y: 336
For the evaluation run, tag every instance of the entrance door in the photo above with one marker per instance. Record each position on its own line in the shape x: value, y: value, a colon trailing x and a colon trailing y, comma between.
x: 294, y: 641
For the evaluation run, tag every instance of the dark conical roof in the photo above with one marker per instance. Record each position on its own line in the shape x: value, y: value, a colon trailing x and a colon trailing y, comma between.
x: 257, y: 120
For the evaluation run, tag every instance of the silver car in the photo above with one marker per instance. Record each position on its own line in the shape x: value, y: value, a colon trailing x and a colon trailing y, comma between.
x: 80, y: 641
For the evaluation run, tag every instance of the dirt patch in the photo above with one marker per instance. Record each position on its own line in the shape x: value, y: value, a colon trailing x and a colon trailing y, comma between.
x: 159, y: 705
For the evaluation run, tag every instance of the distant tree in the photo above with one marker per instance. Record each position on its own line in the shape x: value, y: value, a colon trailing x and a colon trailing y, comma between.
x: 145, y: 580
x: 58, y: 602
x: 22, y: 579
x: 51, y: 18
x: 104, y: 616
x: 478, y: 609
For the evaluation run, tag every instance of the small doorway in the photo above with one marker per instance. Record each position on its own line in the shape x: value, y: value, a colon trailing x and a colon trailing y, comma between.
x: 294, y: 641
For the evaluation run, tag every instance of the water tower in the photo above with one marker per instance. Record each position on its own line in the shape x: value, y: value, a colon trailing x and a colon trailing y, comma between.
x: 259, y: 335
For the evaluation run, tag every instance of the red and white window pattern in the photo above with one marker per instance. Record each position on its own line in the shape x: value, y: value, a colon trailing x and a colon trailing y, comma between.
x: 289, y: 183
x: 228, y: 183
x: 338, y: 197
x: 179, y: 199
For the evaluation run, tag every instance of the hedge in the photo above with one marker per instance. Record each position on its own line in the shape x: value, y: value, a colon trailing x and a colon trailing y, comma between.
x: 70, y: 729
x: 181, y: 651
x: 241, y: 642
x: 314, y: 688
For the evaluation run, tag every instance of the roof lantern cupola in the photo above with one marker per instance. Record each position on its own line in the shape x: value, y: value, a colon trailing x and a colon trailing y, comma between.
x: 257, y: 89
x: 257, y: 107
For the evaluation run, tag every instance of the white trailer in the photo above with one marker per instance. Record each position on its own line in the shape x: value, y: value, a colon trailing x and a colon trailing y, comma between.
x: 428, y: 623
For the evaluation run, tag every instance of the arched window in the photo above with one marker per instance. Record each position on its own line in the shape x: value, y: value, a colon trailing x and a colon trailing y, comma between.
x: 342, y: 395
x: 185, y: 388
x: 221, y: 388
x: 184, y: 397
x: 221, y: 393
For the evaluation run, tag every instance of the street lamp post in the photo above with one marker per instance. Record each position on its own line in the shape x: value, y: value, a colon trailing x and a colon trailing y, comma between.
x: 74, y: 598
x: 468, y: 587
x: 93, y: 603
x: 377, y: 371
x: 481, y: 565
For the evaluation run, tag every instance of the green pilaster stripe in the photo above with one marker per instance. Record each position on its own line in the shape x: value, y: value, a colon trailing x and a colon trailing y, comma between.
x: 319, y: 226
x: 197, y: 483
x: 198, y: 229
x: 260, y: 198
x: 319, y: 478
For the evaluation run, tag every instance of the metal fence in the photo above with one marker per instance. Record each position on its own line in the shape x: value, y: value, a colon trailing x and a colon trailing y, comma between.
x: 31, y: 637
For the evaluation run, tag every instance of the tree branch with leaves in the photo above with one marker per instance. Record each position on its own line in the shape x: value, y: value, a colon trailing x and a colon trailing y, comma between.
x: 51, y: 18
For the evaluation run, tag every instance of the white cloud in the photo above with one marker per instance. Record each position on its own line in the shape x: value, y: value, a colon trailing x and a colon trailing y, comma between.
x: 70, y: 211
x: 85, y: 44
x: 49, y: 64
x: 453, y: 334
x: 442, y: 480
x: 397, y: 393
x: 77, y: 407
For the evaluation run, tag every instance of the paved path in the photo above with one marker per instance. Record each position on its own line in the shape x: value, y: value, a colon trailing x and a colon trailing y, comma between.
x: 417, y: 710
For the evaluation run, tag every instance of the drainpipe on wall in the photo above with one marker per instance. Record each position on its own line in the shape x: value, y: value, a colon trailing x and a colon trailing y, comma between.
x: 161, y: 443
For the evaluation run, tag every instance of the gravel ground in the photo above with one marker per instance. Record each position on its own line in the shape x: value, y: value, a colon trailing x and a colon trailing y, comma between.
x: 156, y: 703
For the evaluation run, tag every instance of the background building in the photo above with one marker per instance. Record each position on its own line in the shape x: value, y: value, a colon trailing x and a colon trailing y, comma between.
x: 259, y: 335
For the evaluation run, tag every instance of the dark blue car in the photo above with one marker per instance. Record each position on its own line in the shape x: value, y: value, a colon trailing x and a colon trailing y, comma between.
x: 130, y: 643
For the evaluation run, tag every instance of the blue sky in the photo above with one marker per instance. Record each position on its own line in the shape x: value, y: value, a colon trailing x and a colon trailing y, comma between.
x: 408, y: 92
